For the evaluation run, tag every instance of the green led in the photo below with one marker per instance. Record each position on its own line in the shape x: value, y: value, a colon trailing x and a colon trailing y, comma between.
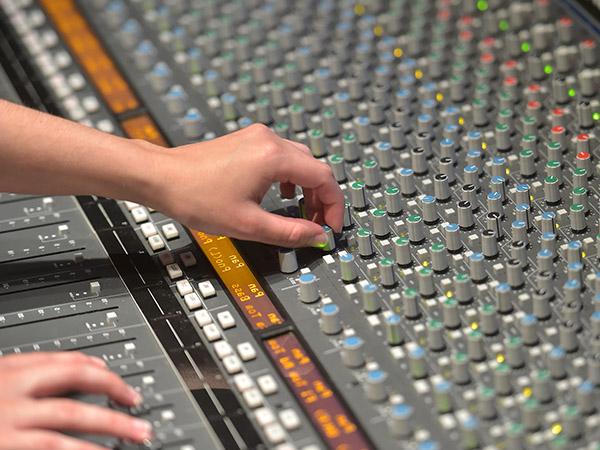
x: 482, y: 5
x: 547, y: 69
x: 571, y: 92
x: 596, y: 116
x: 525, y: 47
x: 503, y: 25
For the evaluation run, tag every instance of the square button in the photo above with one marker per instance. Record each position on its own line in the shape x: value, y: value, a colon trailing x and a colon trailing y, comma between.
x: 222, y: 349
x: 290, y: 419
x: 156, y: 242
x: 148, y: 229
x: 207, y: 290
x: 188, y: 259
x: 174, y: 271
x: 253, y: 398
x: 243, y: 382
x: 139, y: 214
x: 170, y: 231
x: 264, y: 416
x: 184, y: 287
x: 226, y: 320
x: 232, y: 364
x: 212, y: 333
x: 192, y: 301
x: 202, y: 317
x: 267, y: 384
x: 275, y: 433
x: 246, y: 351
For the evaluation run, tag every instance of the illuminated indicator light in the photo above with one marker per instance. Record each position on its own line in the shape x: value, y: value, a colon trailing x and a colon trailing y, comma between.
x: 531, y: 197
x: 320, y: 245
x: 525, y: 47
x: 596, y: 116
x: 500, y: 358
x: 583, y: 254
x: 418, y: 74
x: 378, y: 30
x: 507, y: 171
x: 461, y: 121
x: 572, y: 92
x: 474, y: 325
x: 483, y: 145
x: 440, y: 97
x: 449, y: 294
x: 556, y: 429
x: 398, y: 52
x: 527, y: 392
x: 359, y: 9
x: 503, y: 25
x: 547, y: 69
x: 482, y: 5
x: 425, y: 263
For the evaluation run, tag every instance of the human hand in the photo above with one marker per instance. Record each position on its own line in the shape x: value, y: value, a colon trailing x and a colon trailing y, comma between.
x: 217, y: 186
x: 32, y: 417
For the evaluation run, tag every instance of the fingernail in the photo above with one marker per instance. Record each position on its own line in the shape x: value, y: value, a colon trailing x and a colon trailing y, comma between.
x: 135, y: 396
x: 319, y: 241
x: 142, y: 429
x: 98, y: 361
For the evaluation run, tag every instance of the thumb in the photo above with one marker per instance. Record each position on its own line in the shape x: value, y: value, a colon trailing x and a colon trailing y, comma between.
x: 283, y: 231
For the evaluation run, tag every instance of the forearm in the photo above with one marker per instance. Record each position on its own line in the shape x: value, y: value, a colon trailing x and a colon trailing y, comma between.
x: 44, y: 154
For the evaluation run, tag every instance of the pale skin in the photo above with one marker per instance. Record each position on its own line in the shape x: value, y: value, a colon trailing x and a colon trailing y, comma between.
x: 213, y: 186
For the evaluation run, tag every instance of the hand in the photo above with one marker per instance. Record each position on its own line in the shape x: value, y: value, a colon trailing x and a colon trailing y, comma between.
x: 217, y: 187
x: 32, y: 417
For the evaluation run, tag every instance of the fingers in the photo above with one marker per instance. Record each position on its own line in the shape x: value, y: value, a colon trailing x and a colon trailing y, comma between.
x: 53, y: 379
x: 71, y: 415
x: 36, y: 440
x: 282, y: 231
x: 21, y: 360
x: 298, y: 168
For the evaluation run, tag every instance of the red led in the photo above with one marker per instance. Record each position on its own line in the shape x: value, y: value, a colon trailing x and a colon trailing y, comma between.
x: 583, y: 137
x: 510, y: 64
x: 465, y: 36
x: 588, y: 43
x: 488, y: 42
x: 534, y: 87
x: 558, y: 112
x: 443, y: 15
x: 558, y: 129
x: 510, y: 81
x: 466, y: 20
x: 566, y: 21
x: 534, y: 104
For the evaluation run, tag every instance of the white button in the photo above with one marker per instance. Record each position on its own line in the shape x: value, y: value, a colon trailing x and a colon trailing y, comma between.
x: 167, y: 415
x: 253, y: 398
x: 202, y: 317
x: 264, y: 416
x: 226, y: 320
x: 170, y: 231
x: 156, y: 242
x: 212, y: 333
x: 192, y: 301
x: 76, y: 81
x: 90, y: 104
x: 286, y: 446
x: 131, y: 205
x: 139, y: 214
x: 290, y: 419
x: 243, y: 382
x: 232, y: 364
x: 105, y: 125
x: 148, y: 380
x: 267, y: 384
x: 207, y: 290
x: 222, y: 349
x: 148, y: 229
x: 174, y: 271
x: 62, y: 59
x: 184, y: 287
x: 275, y: 433
x: 188, y: 259
x: 246, y: 351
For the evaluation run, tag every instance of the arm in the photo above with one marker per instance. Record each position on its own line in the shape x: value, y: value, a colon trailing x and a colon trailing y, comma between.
x: 214, y: 186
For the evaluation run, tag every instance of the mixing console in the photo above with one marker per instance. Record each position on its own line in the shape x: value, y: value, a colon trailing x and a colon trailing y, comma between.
x: 458, y: 309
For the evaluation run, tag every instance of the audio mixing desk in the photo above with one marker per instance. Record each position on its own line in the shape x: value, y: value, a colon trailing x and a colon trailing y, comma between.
x: 459, y: 308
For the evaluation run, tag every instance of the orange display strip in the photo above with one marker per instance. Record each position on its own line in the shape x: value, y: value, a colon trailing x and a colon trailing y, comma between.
x: 143, y: 127
x: 86, y: 47
x: 324, y: 409
x: 239, y: 280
